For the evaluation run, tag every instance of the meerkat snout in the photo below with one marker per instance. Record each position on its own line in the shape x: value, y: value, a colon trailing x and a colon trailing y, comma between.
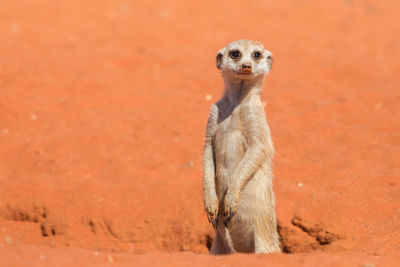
x: 246, y: 68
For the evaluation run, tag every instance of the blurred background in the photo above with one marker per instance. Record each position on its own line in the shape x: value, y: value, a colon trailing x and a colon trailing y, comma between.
x: 103, y: 106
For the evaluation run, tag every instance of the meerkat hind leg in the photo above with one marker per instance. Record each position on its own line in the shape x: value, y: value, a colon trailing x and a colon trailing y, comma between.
x: 264, y: 246
x: 218, y: 246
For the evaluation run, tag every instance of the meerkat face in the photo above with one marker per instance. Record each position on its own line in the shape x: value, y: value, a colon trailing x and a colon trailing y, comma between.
x: 244, y: 59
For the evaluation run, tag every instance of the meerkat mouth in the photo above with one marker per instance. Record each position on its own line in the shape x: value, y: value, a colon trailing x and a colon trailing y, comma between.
x: 245, y: 74
x: 241, y: 72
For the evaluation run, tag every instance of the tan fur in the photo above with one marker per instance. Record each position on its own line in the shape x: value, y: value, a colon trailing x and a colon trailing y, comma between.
x: 237, y: 173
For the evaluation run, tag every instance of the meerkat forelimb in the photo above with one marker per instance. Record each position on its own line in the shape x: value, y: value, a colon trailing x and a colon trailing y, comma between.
x: 238, y: 150
x: 211, y: 201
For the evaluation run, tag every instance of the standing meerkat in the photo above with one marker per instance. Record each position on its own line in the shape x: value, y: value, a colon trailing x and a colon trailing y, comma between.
x: 237, y: 173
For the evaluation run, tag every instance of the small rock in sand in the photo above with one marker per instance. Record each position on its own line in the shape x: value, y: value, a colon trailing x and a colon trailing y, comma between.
x: 208, y: 97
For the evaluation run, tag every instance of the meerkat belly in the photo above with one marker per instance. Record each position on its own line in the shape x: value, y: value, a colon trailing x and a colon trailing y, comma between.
x: 254, y: 211
x: 230, y: 147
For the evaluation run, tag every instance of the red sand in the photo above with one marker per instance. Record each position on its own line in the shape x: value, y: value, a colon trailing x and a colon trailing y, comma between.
x: 102, y: 117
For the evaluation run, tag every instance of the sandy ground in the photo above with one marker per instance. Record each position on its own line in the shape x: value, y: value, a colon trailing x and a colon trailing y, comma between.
x: 103, y: 106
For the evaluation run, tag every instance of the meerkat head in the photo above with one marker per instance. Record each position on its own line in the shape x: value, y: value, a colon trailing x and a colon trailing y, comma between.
x: 244, y: 59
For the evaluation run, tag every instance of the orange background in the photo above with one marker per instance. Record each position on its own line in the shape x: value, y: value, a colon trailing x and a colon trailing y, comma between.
x: 103, y: 106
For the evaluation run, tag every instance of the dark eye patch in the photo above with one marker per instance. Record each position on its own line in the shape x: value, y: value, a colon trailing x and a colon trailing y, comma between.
x: 257, y: 55
x: 234, y: 54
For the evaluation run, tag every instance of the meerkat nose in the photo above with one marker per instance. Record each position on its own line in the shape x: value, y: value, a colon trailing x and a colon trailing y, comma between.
x: 246, y: 67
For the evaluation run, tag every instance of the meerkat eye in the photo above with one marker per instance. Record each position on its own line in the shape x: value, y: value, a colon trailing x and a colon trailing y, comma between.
x: 257, y: 55
x: 234, y: 54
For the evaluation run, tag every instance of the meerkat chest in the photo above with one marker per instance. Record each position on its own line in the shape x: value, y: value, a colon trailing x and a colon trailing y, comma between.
x: 230, y: 142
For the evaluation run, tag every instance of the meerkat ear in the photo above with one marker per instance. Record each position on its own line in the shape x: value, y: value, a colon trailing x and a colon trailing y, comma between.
x: 268, y: 58
x: 220, y: 55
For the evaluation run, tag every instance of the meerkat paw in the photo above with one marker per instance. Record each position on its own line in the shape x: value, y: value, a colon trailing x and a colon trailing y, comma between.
x: 230, y: 205
x: 212, y: 214
x: 213, y: 219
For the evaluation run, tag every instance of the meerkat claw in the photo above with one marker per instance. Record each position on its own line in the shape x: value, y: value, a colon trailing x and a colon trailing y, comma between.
x: 227, y: 220
x: 216, y: 223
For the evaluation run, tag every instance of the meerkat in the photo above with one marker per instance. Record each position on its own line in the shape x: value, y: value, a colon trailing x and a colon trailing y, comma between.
x: 237, y: 172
